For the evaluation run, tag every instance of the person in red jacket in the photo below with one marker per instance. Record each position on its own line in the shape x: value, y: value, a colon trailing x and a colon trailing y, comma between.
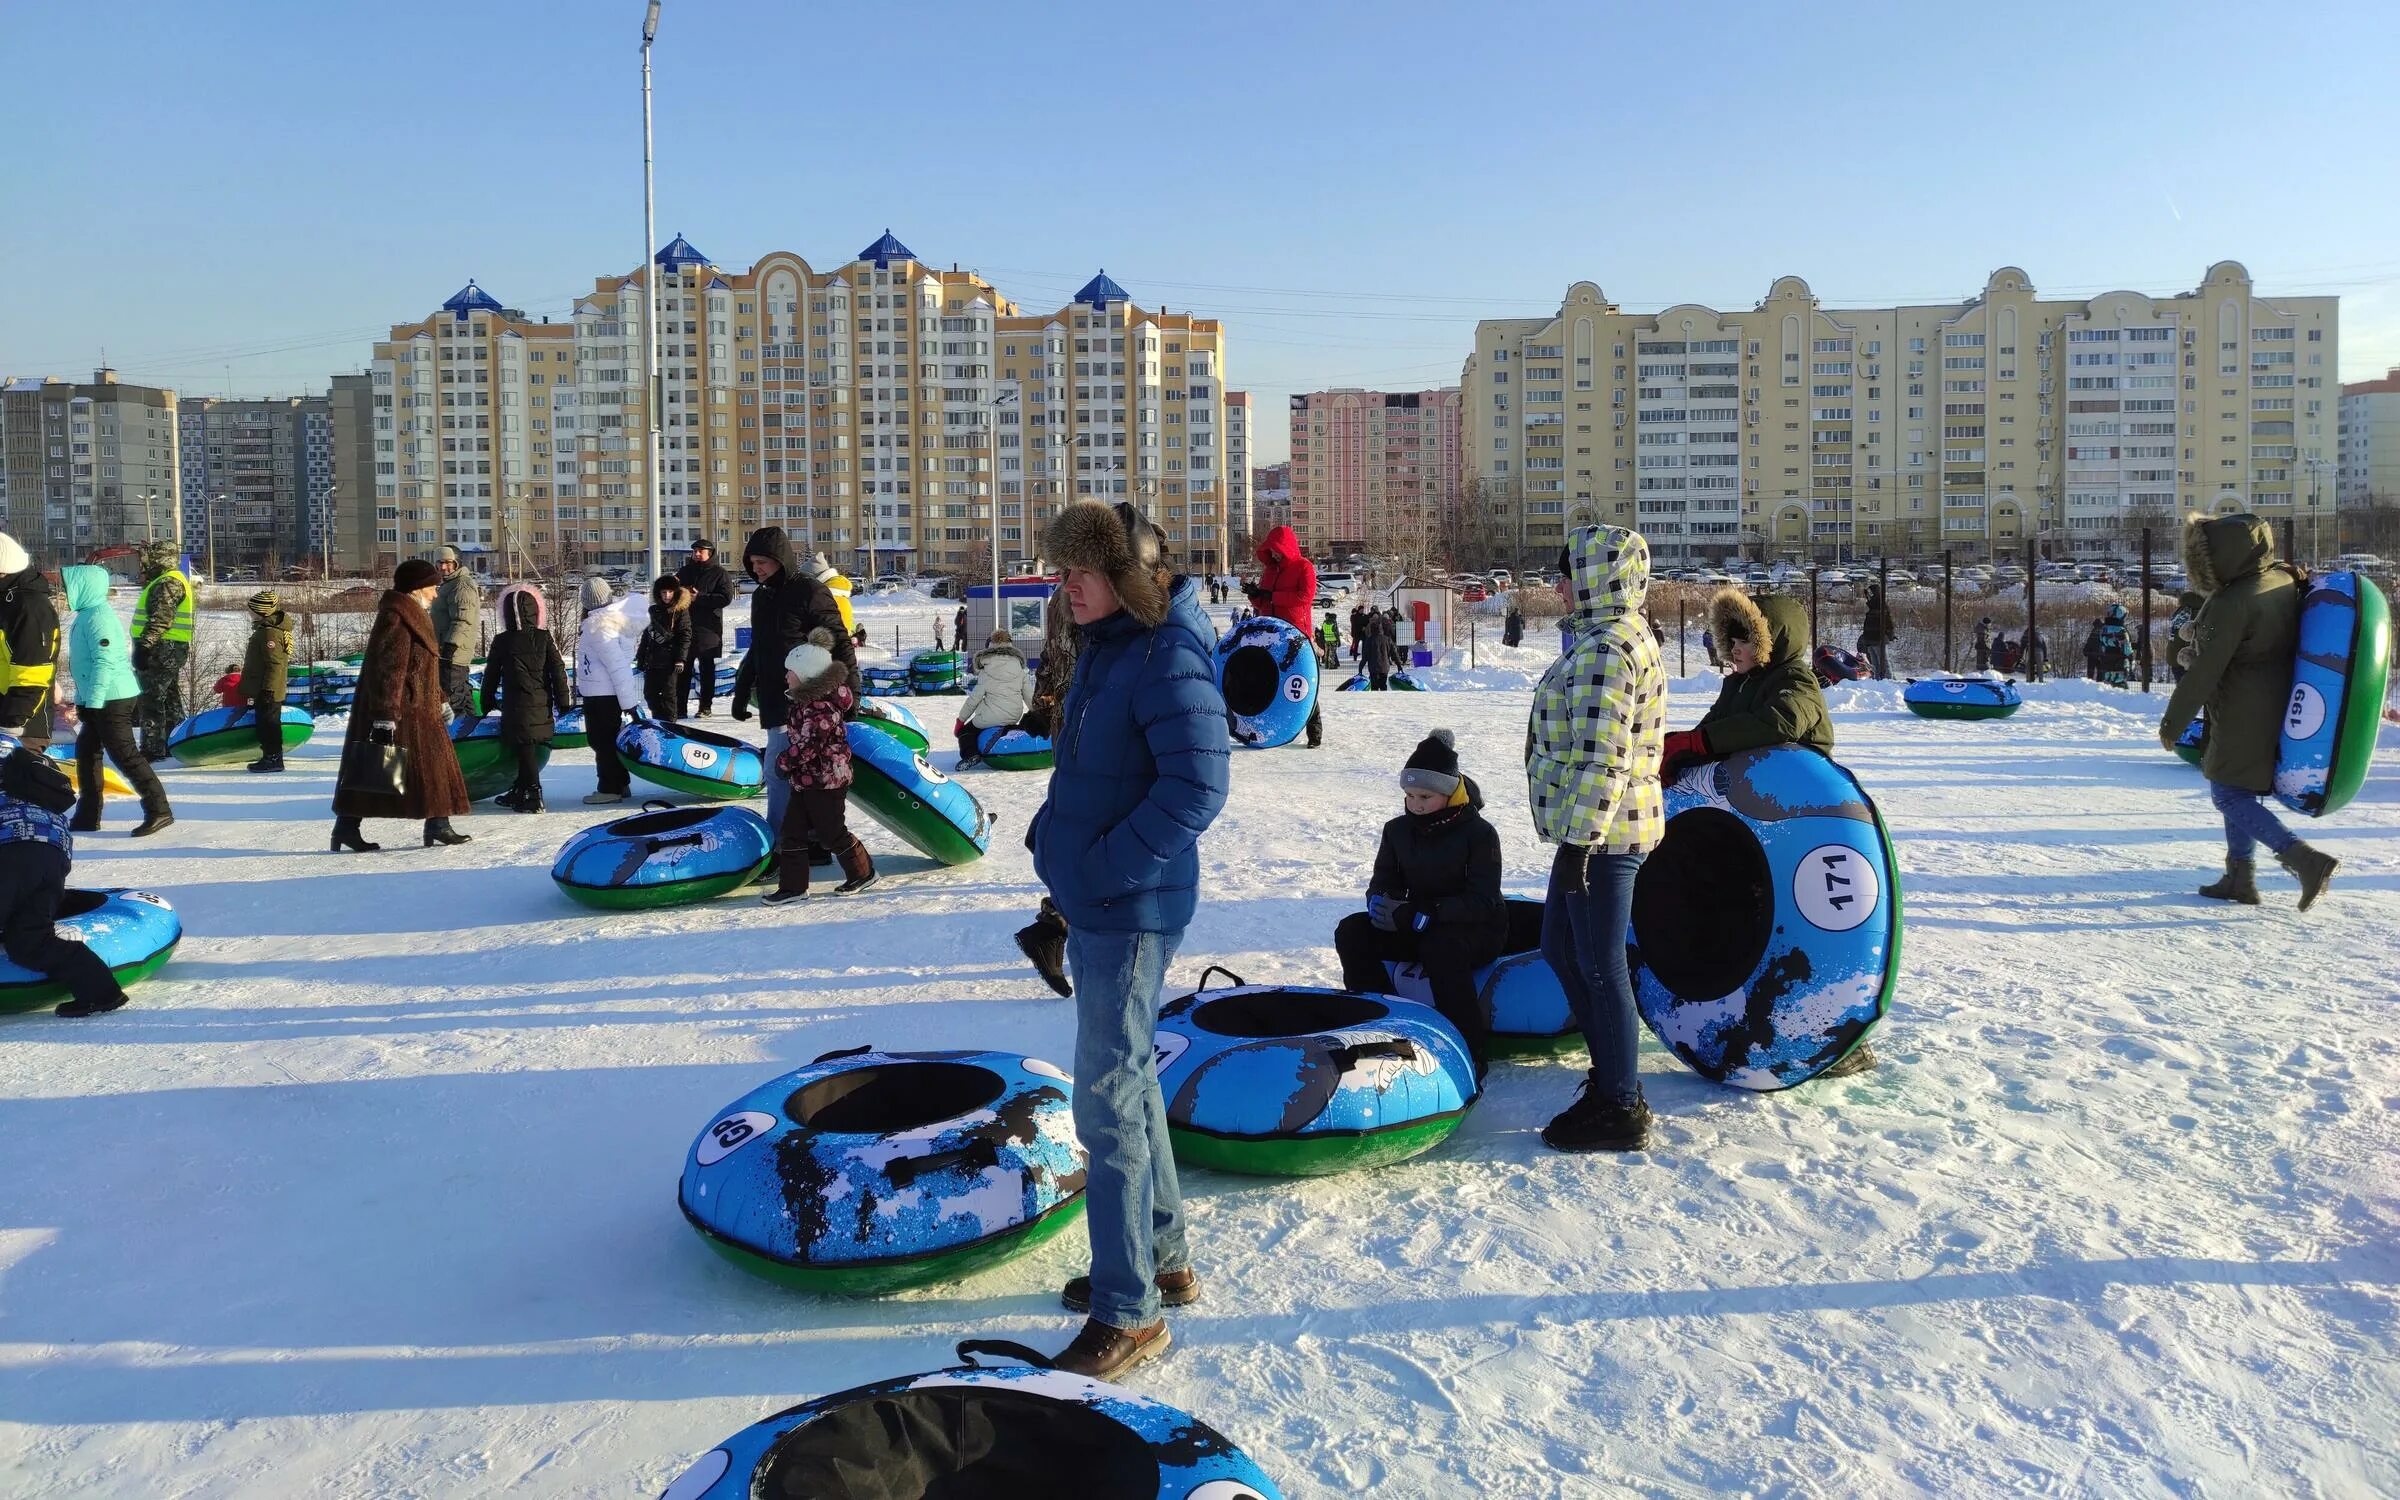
x: 1287, y: 589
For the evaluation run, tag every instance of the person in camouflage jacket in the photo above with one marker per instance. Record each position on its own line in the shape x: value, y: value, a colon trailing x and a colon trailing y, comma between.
x: 1591, y: 768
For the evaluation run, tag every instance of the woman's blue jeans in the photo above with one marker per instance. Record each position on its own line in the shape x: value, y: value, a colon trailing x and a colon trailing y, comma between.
x: 1584, y: 924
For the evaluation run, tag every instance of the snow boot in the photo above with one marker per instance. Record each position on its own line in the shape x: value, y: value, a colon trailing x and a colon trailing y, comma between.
x: 785, y: 893
x: 1100, y: 1352
x: 85, y: 823
x: 1175, y: 1289
x: 152, y: 824
x: 859, y: 866
x: 528, y: 801
x: 439, y: 831
x: 2239, y: 883
x: 1862, y: 1059
x: 348, y: 835
x: 602, y: 799
x: 2309, y: 865
x: 509, y: 797
x: 75, y: 1008
x: 266, y: 763
x: 1594, y: 1124
x: 1044, y: 945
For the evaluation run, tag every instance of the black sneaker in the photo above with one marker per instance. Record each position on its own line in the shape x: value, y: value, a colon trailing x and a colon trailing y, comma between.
x: 76, y: 1008
x: 780, y: 897
x: 1589, y: 1124
x: 857, y: 883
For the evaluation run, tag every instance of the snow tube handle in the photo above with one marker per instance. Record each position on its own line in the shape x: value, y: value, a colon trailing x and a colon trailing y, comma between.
x: 657, y: 804
x: 1350, y: 1057
x: 1238, y: 980
x: 978, y: 1154
x: 1005, y: 1349
x: 859, y: 1051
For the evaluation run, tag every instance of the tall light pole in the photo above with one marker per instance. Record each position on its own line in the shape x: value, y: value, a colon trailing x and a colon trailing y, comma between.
x: 653, y: 395
x: 209, y: 516
x: 991, y: 430
x: 325, y: 526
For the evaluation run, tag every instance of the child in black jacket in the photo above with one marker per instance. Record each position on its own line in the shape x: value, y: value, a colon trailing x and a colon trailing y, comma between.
x: 1434, y: 899
x: 666, y: 645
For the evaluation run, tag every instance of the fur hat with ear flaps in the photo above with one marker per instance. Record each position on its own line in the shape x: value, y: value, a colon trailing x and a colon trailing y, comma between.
x: 1119, y: 542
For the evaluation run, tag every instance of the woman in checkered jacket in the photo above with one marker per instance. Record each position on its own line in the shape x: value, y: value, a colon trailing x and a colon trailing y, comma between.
x: 1591, y: 767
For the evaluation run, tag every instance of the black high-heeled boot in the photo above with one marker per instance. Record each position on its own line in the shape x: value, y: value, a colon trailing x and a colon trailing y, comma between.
x: 439, y: 831
x: 347, y: 835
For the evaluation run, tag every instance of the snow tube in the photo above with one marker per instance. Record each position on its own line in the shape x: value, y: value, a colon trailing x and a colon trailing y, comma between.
x: 321, y: 686
x: 2192, y: 744
x: 1833, y: 664
x: 1267, y: 671
x: 489, y: 766
x: 1523, y: 1002
x: 977, y: 1430
x: 692, y: 761
x: 1009, y: 748
x: 1397, y: 682
x: 110, y: 782
x: 571, y: 732
x: 1291, y: 1082
x: 936, y: 672
x: 900, y: 789
x: 884, y: 682
x: 1766, y: 926
x: 895, y: 720
x: 222, y: 736
x: 866, y: 1172
x: 134, y: 933
x: 1962, y: 698
x: 2338, y: 681
x: 664, y: 856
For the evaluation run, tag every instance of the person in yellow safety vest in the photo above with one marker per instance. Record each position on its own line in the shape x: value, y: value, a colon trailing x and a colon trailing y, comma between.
x: 836, y: 585
x: 162, y: 643
x: 28, y: 646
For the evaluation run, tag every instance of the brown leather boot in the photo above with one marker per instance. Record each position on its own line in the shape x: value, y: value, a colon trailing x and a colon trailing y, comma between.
x: 1106, y: 1353
x: 859, y: 866
x: 1175, y: 1289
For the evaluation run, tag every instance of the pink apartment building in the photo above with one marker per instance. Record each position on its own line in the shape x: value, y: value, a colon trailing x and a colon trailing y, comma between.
x: 1373, y: 468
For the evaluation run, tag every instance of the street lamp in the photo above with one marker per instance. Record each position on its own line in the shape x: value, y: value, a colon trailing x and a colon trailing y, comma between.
x: 2316, y: 479
x: 209, y: 519
x: 991, y: 427
x: 652, y: 394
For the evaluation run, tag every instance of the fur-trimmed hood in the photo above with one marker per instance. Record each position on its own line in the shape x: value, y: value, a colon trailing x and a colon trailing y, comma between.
x: 1090, y: 535
x: 514, y: 615
x: 2218, y: 550
x: 1734, y: 615
x: 1776, y: 619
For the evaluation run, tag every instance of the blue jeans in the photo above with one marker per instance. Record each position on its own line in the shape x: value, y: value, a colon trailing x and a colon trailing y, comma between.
x: 1584, y: 923
x: 2248, y: 823
x: 779, y: 791
x: 1133, y: 1205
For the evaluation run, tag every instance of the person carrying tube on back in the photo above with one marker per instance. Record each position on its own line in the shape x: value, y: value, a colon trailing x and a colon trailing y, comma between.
x: 1287, y: 589
x: 1434, y: 899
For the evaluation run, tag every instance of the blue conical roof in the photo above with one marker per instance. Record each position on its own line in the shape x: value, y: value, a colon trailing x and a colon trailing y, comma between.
x: 1100, y: 291
x: 679, y: 255
x: 472, y: 298
x: 886, y: 250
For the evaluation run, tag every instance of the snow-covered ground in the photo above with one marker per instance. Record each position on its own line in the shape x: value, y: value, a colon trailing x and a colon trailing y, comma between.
x: 371, y: 1192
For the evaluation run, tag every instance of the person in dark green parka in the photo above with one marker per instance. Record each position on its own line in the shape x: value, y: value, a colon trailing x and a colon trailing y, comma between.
x: 1771, y: 696
x: 2243, y: 642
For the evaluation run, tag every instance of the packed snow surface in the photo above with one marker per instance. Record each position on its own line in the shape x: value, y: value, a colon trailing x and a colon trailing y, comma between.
x: 372, y: 1191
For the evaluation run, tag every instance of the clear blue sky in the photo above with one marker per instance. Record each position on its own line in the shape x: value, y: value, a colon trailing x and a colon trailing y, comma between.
x: 245, y: 195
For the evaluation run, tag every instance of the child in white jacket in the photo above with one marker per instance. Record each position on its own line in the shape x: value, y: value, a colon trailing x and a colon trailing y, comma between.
x: 605, y: 678
x: 1003, y: 691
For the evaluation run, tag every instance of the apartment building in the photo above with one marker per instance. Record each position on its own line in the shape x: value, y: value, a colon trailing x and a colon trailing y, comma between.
x: 257, y: 480
x: 878, y: 411
x: 2367, y: 450
x: 1793, y: 429
x: 351, y: 502
x: 87, y: 465
x: 1237, y: 474
x: 1374, y: 471
x: 1270, y: 502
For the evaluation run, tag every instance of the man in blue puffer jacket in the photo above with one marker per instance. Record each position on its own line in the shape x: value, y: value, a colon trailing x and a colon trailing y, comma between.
x: 1140, y: 773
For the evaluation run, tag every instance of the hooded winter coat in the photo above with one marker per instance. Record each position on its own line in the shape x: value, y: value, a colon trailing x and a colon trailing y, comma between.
x: 666, y: 642
x: 99, y: 647
x: 1599, y: 715
x: 816, y: 751
x: 1879, y: 628
x: 1777, y: 702
x: 604, y: 652
x: 712, y: 590
x: 400, y: 681
x: 783, y: 611
x: 28, y: 652
x: 1287, y: 580
x: 2243, y: 643
x: 458, y: 616
x: 267, y: 658
x: 1003, y: 688
x: 1380, y: 649
x: 523, y: 675
x: 1446, y: 863
x: 1142, y: 754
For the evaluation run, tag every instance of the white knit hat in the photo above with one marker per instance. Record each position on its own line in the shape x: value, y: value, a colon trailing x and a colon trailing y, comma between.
x: 807, y: 662
x: 12, y: 555
x: 597, y: 593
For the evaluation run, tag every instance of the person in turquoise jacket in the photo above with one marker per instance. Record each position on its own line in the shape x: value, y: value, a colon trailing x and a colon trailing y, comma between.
x: 108, y: 696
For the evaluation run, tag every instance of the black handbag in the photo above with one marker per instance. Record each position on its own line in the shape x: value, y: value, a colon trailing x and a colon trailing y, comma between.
x: 372, y: 770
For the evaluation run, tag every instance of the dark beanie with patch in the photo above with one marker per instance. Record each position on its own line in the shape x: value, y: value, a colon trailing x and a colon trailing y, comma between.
x: 1433, y: 765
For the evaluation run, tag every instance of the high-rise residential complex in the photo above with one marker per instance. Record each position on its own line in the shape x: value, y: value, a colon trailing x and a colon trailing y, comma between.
x: 1270, y: 501
x: 1793, y: 429
x: 88, y: 465
x: 1374, y: 471
x: 257, y: 481
x: 2368, y: 452
x: 350, y: 511
x: 1238, y: 447
x: 877, y: 411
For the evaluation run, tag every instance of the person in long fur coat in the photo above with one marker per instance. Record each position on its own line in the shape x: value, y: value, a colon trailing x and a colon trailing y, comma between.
x: 399, y: 701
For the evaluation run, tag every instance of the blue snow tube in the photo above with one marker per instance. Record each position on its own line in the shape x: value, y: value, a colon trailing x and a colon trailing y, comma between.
x: 884, y: 682
x: 693, y: 761
x: 976, y: 1429
x: 2339, y: 676
x: 1766, y: 925
x: 1523, y: 1003
x: 895, y: 720
x: 1286, y: 1081
x: 1398, y: 682
x: 1267, y: 672
x: 2192, y: 745
x: 220, y: 736
x: 1962, y: 698
x: 571, y: 732
x: 866, y: 1172
x: 664, y: 856
x: 899, y: 788
x: 1009, y: 748
x: 133, y: 932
